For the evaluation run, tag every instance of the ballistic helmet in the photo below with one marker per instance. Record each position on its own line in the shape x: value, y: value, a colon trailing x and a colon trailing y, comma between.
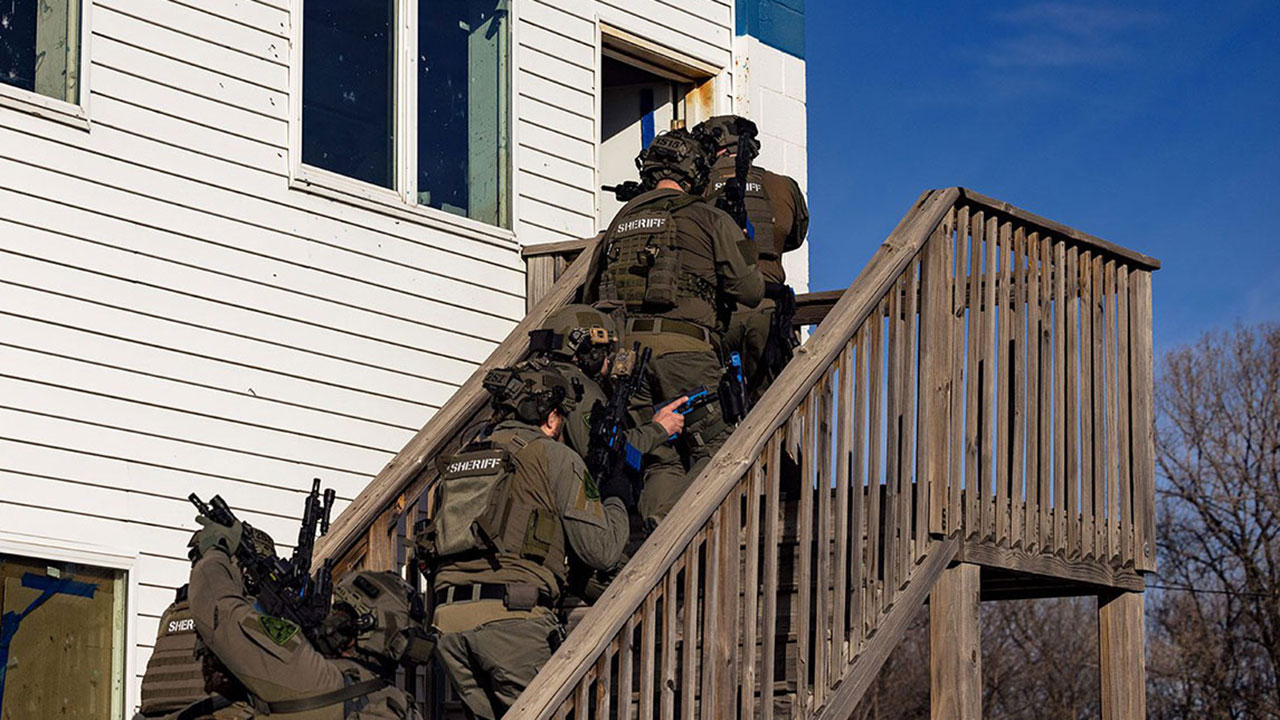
x: 385, y: 615
x: 677, y: 155
x: 529, y: 393
x: 576, y: 332
x: 730, y: 132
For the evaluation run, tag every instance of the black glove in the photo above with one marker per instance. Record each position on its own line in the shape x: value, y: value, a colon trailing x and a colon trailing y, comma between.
x: 617, y: 485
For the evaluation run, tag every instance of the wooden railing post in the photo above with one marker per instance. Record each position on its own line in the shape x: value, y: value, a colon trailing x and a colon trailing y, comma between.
x: 1121, y: 660
x: 1141, y: 399
x: 935, y: 375
x: 955, y: 645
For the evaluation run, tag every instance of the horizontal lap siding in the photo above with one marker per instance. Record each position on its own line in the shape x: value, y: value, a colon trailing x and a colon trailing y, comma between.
x: 557, y: 95
x: 175, y: 319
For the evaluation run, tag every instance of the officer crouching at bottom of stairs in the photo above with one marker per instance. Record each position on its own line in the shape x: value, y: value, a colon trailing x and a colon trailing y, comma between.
x: 501, y: 521
x: 763, y: 335
x: 373, y: 628
x: 674, y: 266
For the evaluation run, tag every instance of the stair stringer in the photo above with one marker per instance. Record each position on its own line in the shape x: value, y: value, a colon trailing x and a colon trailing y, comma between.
x: 853, y: 684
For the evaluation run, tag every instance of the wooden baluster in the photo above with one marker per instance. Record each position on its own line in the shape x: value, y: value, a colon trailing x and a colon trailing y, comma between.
x: 804, y: 549
x: 864, y: 542
x: 1019, y: 493
x: 840, y: 652
x: 909, y: 480
x: 1032, y: 517
x: 582, y: 698
x: 972, y: 484
x: 689, y: 646
x: 823, y: 601
x: 667, y: 693
x: 1108, y: 516
x: 1071, y: 404
x: 648, y: 650
x: 1088, y: 406
x: 769, y: 591
x: 1097, y: 298
x: 1140, y: 393
x: 751, y: 587
x: 713, y: 601
x: 604, y: 686
x: 875, y: 536
x: 1047, y: 334
x: 626, y: 659
x: 935, y: 383
x: 986, y: 345
x: 727, y: 604
x: 960, y: 294
x: 1002, y: 407
x: 893, y: 447
x: 1124, y: 474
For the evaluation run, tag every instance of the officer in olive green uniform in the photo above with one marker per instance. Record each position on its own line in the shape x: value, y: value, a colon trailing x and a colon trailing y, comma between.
x: 375, y: 625
x: 673, y: 263
x: 578, y: 342
x: 780, y: 218
x: 501, y: 520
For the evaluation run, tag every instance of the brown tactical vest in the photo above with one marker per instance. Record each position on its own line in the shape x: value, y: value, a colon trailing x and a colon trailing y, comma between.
x: 173, y: 679
x: 759, y: 207
x: 642, y: 250
x: 483, y: 508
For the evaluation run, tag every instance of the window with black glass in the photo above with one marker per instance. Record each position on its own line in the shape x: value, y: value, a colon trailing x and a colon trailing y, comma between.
x: 40, y: 47
x: 457, y: 143
x: 348, y: 88
x: 464, y: 109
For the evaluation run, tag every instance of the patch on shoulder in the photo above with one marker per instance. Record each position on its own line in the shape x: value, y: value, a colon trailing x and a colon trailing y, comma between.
x: 589, y: 486
x: 278, y: 629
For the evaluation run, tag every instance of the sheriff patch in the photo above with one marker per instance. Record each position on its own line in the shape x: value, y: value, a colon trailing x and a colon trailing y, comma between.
x: 469, y: 464
x: 643, y: 223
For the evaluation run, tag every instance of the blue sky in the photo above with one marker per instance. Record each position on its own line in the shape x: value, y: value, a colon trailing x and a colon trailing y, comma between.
x: 1154, y: 125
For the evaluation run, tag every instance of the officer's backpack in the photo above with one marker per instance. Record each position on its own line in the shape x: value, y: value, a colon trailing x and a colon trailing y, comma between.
x: 476, y: 511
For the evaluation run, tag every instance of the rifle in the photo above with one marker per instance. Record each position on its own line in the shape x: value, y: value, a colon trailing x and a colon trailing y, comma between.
x: 733, y: 199
x: 733, y: 391
x: 606, y: 449
x: 285, y: 588
x: 624, y: 191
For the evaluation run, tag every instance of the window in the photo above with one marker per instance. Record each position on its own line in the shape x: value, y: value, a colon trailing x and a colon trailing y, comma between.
x: 40, y: 47
x: 62, y: 638
x: 443, y: 139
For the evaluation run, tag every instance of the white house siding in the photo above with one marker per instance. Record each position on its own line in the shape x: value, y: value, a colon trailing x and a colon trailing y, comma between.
x: 175, y: 318
x: 557, y: 85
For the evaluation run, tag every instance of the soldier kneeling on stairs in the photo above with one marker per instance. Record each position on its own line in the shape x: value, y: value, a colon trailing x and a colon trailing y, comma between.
x: 502, y: 519
x: 344, y: 671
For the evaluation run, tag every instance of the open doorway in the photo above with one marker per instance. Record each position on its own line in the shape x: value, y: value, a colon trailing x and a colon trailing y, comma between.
x: 645, y: 90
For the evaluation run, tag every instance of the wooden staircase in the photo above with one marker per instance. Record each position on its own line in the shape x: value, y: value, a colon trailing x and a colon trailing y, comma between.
x: 973, y: 414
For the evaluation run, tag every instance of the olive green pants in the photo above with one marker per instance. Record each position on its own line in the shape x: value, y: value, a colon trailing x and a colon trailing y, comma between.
x: 748, y: 333
x: 679, y: 364
x: 492, y: 664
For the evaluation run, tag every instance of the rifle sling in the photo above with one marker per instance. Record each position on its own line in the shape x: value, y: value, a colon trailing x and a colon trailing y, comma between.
x: 332, y: 697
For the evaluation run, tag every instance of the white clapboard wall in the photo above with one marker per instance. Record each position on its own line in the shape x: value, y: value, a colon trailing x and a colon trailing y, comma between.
x: 175, y: 318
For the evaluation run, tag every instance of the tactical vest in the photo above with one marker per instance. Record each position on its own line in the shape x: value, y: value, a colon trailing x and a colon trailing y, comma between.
x: 174, y: 678
x: 759, y: 206
x: 482, y: 508
x: 641, y: 253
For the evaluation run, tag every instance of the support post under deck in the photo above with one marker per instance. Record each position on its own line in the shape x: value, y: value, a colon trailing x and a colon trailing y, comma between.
x: 955, y: 645
x: 1122, y: 663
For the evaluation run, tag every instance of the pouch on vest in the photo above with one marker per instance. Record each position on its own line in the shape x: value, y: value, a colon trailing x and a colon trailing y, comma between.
x: 470, y: 496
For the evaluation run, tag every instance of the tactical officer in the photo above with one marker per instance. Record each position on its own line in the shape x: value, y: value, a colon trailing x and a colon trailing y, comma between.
x: 763, y: 335
x: 578, y: 343
x: 344, y: 672
x: 674, y: 265
x: 501, y: 520
x: 183, y: 680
